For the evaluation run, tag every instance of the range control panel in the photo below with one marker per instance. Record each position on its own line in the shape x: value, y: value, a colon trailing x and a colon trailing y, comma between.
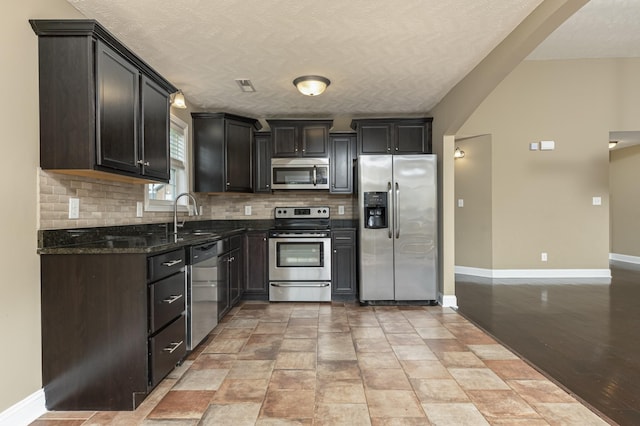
x: 317, y: 212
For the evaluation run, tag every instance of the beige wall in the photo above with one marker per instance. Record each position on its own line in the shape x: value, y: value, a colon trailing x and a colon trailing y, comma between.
x: 20, y: 284
x: 542, y: 201
x: 624, y: 175
x: 474, y: 219
x: 456, y: 107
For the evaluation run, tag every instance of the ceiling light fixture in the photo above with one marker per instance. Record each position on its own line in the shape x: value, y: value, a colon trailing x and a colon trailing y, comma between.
x: 612, y: 144
x: 458, y: 153
x: 177, y: 100
x: 311, y: 85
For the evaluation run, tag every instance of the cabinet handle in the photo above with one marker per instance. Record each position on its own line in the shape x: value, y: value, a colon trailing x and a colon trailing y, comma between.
x: 228, y: 184
x: 396, y: 148
x: 264, y: 239
x: 172, y: 298
x: 172, y: 263
x: 173, y: 346
x: 268, y: 185
x: 342, y: 238
x: 143, y: 163
x: 335, y: 251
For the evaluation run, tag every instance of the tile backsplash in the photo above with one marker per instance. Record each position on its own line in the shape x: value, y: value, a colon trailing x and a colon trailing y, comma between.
x: 110, y: 203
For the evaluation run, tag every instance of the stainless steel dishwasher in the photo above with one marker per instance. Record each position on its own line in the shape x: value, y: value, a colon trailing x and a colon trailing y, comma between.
x: 202, y: 292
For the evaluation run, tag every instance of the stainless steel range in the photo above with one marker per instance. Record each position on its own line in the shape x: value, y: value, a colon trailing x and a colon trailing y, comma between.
x: 300, y: 255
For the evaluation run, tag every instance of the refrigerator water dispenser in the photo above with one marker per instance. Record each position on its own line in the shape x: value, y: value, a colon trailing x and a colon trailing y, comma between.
x: 375, y: 210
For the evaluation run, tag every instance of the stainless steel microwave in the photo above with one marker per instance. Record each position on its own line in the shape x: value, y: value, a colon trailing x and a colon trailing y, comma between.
x: 299, y: 173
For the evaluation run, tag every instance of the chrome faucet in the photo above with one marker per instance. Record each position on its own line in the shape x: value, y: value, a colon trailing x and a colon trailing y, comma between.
x: 175, y: 210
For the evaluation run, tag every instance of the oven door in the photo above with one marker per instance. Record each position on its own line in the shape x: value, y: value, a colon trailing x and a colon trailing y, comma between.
x: 299, y: 258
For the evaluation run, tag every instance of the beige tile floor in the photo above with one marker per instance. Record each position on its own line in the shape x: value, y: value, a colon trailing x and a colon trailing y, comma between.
x: 343, y: 364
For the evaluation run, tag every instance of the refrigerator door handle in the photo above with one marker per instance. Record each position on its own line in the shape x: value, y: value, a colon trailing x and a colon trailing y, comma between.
x: 389, y: 200
x: 396, y: 217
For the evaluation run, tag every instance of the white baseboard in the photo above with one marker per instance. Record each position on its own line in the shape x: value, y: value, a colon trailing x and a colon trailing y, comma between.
x: 448, y: 300
x: 25, y: 411
x: 624, y: 258
x: 534, y: 273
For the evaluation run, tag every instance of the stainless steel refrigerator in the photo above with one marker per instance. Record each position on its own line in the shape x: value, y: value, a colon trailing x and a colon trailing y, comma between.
x: 397, y: 201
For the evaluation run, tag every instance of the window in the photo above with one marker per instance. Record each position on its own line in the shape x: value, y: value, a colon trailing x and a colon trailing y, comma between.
x: 159, y: 196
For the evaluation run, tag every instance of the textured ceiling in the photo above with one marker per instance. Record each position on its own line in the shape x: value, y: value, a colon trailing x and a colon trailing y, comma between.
x: 601, y: 29
x: 383, y: 58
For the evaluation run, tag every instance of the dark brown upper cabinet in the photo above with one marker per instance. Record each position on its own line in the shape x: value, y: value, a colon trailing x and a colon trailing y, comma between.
x: 262, y: 160
x: 342, y: 147
x: 393, y: 136
x: 300, y: 138
x: 222, y: 152
x: 103, y: 111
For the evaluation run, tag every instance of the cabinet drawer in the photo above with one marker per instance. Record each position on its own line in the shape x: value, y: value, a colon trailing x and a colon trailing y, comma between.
x: 165, y: 264
x: 167, y: 349
x: 166, y: 300
x: 344, y: 237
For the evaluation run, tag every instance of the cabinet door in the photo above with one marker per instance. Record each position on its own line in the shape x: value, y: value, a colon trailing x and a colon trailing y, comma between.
x: 155, y: 131
x: 223, y: 286
x: 410, y: 139
x: 341, y: 164
x: 262, y: 163
x: 256, y: 262
x: 374, y: 139
x: 208, y: 155
x: 238, y: 159
x: 314, y: 140
x: 284, y: 140
x: 343, y: 267
x: 235, y: 276
x: 118, y: 105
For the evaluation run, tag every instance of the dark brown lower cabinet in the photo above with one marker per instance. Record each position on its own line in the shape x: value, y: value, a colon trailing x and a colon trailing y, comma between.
x: 257, y: 266
x: 343, y: 264
x: 230, y: 273
x: 100, y: 341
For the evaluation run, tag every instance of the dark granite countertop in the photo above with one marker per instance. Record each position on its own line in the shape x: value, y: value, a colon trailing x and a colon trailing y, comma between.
x: 149, y: 238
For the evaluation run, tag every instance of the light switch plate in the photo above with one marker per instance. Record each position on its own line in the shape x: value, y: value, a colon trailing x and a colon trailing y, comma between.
x: 533, y: 146
x: 247, y: 210
x: 547, y: 145
x: 460, y: 202
x: 340, y: 209
x: 597, y: 201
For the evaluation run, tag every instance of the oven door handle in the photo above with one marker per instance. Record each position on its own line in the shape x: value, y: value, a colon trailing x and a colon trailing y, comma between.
x: 324, y: 284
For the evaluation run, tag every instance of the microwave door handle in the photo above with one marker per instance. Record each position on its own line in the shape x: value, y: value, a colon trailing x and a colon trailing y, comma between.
x: 315, y: 176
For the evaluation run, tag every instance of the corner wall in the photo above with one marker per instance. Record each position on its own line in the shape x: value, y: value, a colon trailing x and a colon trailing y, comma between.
x: 20, y: 285
x: 474, y: 229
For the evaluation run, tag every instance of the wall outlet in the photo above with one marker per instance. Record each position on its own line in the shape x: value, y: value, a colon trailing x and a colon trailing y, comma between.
x: 139, y: 209
x: 547, y: 145
x: 340, y: 209
x: 596, y: 201
x: 543, y: 257
x: 247, y: 210
x: 74, y: 208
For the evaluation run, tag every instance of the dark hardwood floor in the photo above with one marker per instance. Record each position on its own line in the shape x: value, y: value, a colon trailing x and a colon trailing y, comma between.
x: 585, y: 336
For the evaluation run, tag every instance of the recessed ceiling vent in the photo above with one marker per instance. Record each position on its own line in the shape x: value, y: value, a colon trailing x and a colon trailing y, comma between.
x: 245, y: 85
